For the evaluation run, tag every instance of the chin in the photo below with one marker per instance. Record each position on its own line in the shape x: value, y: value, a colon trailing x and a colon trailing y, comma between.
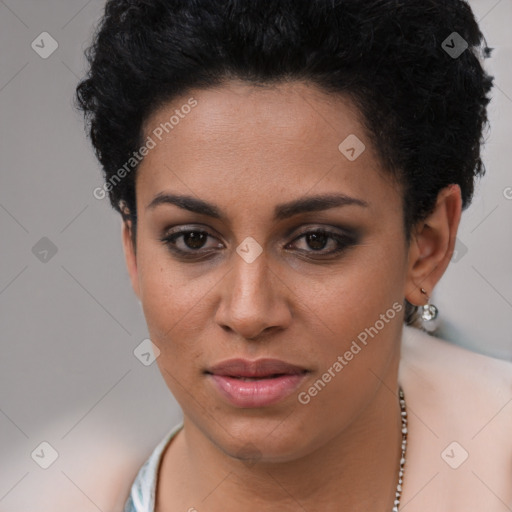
x: 260, y: 439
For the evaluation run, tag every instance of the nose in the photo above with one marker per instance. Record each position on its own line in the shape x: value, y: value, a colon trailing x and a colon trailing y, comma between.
x: 254, y: 300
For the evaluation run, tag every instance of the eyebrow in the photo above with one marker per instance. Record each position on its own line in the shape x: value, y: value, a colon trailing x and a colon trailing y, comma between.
x: 281, y: 211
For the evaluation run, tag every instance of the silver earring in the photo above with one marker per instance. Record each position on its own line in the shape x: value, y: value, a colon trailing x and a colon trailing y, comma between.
x: 429, y: 314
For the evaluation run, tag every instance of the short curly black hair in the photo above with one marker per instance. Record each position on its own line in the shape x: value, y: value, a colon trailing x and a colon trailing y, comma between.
x: 413, y: 69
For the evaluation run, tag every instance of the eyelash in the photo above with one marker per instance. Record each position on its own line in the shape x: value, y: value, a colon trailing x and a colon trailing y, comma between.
x: 343, y: 241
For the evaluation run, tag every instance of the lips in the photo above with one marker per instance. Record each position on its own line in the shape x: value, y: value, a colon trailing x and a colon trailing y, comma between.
x: 259, y: 369
x: 259, y: 383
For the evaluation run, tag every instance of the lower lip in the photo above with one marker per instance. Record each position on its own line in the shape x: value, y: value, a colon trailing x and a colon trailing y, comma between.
x: 257, y: 393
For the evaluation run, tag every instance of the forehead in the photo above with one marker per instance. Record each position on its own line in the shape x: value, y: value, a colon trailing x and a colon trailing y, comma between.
x: 246, y: 140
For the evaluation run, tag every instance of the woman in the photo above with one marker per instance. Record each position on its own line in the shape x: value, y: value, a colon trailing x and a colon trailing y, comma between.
x: 291, y: 176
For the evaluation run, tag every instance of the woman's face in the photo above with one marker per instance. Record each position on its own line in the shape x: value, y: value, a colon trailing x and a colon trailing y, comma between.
x: 249, y: 279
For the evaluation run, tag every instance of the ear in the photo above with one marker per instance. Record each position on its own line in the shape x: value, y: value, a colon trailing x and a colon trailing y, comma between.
x: 130, y: 255
x: 432, y: 245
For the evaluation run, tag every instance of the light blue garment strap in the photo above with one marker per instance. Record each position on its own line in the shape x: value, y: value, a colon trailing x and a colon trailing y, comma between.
x: 142, y: 493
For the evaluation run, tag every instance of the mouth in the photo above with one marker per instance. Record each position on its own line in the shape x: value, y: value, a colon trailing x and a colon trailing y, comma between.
x: 260, y: 368
x: 253, y: 379
x: 259, y: 383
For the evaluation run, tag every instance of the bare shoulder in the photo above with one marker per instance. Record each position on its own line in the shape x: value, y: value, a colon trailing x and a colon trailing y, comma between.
x: 460, y: 424
x: 427, y: 353
x: 466, y: 381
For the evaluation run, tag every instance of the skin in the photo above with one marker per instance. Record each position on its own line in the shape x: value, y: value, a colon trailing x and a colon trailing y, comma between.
x: 246, y: 149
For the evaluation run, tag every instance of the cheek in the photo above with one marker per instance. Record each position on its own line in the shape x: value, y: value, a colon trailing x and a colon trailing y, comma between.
x: 179, y: 307
x: 170, y: 300
x: 362, y: 287
x: 361, y: 301
x: 172, y: 308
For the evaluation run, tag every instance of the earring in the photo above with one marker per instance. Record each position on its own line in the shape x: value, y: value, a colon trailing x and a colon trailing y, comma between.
x: 429, y: 314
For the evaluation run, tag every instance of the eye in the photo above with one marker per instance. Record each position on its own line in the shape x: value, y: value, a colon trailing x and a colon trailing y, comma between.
x: 188, y: 242
x: 316, y: 241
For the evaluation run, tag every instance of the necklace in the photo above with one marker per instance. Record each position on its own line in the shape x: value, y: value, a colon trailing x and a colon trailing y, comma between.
x: 403, y: 415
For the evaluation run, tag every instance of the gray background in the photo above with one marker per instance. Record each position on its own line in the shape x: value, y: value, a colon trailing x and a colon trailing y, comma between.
x: 70, y: 324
